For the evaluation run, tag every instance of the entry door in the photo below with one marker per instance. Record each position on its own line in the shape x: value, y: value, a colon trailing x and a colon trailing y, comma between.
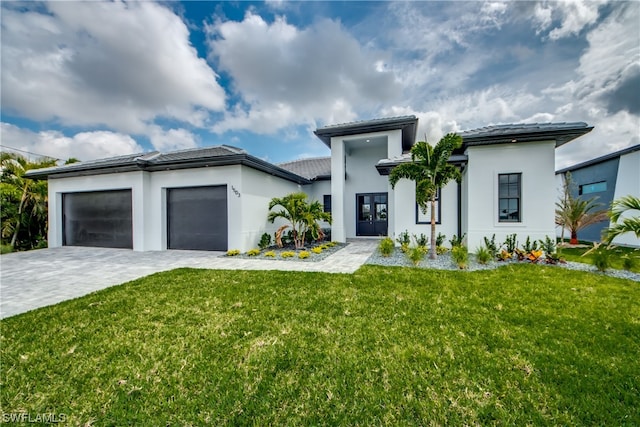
x: 372, y: 214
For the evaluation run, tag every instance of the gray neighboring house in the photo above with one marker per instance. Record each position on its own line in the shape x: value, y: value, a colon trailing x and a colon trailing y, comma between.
x: 607, y: 178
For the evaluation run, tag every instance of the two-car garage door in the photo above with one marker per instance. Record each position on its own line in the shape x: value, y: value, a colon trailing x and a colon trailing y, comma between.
x: 196, y: 218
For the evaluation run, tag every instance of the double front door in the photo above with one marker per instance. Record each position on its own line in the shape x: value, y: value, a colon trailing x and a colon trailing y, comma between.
x: 372, y: 212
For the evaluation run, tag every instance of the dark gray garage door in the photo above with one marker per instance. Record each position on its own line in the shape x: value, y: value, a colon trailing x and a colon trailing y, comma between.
x: 197, y: 218
x: 97, y: 218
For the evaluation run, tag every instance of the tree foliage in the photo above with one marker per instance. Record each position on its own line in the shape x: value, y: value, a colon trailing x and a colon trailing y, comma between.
x: 430, y: 170
x: 24, y: 202
x: 621, y: 223
x: 302, y: 216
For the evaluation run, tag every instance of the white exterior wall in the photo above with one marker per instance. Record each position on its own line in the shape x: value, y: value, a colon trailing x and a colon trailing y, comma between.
x: 135, y: 181
x: 628, y: 183
x: 535, y: 161
x: 317, y: 191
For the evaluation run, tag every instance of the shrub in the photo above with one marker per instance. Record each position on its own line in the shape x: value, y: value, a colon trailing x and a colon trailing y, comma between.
x: 628, y: 262
x: 5, y: 249
x: 287, y: 254
x: 548, y: 245
x: 534, y: 256
x: 317, y: 250
x: 416, y: 254
x: 553, y: 258
x: 503, y: 255
x: 483, y: 255
x: 270, y: 254
x: 601, y: 258
x: 304, y: 255
x: 511, y: 243
x: 265, y: 241
x: 404, y: 248
x: 253, y: 252
x: 460, y: 256
x: 421, y: 240
x: 404, y: 238
x: 520, y: 254
x: 529, y: 245
x: 441, y: 250
x: 386, y: 246
x: 491, y: 245
x: 457, y: 241
x: 233, y: 252
x: 440, y: 239
x: 331, y: 244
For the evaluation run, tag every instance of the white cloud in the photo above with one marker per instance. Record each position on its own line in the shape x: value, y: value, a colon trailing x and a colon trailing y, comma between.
x: 83, y: 146
x: 172, y: 139
x: 112, y: 64
x: 574, y: 16
x: 289, y: 76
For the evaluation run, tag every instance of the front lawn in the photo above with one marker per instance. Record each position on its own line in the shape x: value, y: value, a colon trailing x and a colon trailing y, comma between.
x: 520, y: 345
x: 617, y: 253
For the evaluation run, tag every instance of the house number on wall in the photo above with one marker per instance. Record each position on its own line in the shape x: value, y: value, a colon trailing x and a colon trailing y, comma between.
x: 236, y: 192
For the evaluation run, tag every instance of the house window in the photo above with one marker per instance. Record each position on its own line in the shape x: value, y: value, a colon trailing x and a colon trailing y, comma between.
x: 425, y: 218
x: 509, y: 197
x: 326, y: 201
x: 595, y: 187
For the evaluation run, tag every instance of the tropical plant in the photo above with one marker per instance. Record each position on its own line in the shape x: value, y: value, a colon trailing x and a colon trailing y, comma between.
x: 317, y: 250
x: 265, y: 241
x: 404, y: 238
x: 430, y: 170
x: 628, y: 262
x: 483, y: 255
x: 233, y: 252
x: 491, y: 244
x: 601, y: 258
x: 629, y: 224
x: 530, y: 245
x: 511, y: 242
x: 460, y: 256
x: 416, y: 254
x: 287, y: 254
x: 440, y: 239
x: 302, y: 216
x: 386, y: 246
x: 270, y: 254
x: 253, y: 252
x: 304, y: 254
x: 457, y: 241
x: 575, y: 213
x: 24, y: 202
x: 421, y: 240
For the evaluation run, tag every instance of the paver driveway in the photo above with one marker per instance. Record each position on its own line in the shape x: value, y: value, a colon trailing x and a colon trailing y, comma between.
x: 34, y: 279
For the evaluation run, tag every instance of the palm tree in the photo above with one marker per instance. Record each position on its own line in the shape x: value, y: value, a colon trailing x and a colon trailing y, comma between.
x: 629, y: 224
x: 302, y: 215
x: 575, y: 214
x: 430, y: 170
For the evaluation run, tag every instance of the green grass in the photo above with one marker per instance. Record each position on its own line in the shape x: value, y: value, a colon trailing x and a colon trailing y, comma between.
x: 520, y: 345
x: 575, y: 254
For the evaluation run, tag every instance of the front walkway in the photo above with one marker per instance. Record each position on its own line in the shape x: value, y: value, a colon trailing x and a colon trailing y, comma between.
x: 34, y: 279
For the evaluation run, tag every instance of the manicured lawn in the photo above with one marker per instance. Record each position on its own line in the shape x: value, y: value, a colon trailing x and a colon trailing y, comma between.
x: 575, y: 254
x: 521, y: 345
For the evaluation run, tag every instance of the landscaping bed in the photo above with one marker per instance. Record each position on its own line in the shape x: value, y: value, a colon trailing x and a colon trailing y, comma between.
x: 313, y: 252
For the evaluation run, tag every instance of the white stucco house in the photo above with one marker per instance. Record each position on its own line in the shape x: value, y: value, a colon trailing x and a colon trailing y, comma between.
x: 216, y: 198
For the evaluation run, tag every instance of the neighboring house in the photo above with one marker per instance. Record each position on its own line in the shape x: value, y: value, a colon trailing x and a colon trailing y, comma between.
x: 216, y: 198
x: 607, y: 178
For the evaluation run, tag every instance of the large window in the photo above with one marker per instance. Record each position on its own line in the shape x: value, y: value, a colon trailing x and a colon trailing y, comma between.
x: 509, y: 197
x: 425, y: 218
x: 595, y: 187
x: 327, y: 202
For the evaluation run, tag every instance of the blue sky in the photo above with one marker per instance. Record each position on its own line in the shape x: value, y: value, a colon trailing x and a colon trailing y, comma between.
x: 92, y: 80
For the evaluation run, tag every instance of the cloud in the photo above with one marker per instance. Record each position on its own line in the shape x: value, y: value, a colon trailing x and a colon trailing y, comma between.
x: 287, y: 75
x: 83, y: 146
x: 573, y: 16
x: 172, y: 139
x: 111, y: 64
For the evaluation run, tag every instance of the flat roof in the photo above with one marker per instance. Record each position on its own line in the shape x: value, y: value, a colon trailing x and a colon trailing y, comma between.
x: 601, y: 159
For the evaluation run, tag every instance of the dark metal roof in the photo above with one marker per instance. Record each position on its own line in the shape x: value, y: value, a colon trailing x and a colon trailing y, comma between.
x: 525, y: 132
x: 314, y: 169
x: 601, y: 159
x: 408, y: 125
x: 221, y: 155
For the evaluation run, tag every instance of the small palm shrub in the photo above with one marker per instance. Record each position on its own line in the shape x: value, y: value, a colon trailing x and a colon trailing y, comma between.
x: 421, y: 240
x: 287, y: 254
x: 404, y: 239
x: 304, y: 254
x: 416, y: 254
x: 457, y: 241
x: 317, y: 250
x: 270, y: 254
x: 628, y: 262
x: 265, y: 241
x: 440, y: 239
x: 601, y: 258
x: 491, y: 245
x: 233, y: 252
x: 460, y: 256
x: 511, y: 243
x: 529, y: 245
x: 253, y: 252
x: 483, y: 255
x: 386, y: 246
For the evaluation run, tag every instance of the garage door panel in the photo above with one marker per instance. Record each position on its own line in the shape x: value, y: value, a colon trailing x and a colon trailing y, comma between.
x: 197, y: 218
x: 98, y: 219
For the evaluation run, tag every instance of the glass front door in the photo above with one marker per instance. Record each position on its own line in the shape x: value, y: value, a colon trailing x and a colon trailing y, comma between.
x: 371, y: 214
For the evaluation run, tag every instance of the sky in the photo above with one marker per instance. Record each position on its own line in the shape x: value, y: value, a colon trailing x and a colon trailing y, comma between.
x: 92, y: 80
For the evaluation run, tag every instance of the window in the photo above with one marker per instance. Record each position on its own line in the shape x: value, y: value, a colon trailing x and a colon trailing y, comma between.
x: 326, y: 201
x: 425, y: 218
x: 509, y: 194
x: 595, y: 187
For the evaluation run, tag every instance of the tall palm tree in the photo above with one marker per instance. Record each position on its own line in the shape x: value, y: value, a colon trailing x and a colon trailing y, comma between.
x: 575, y: 214
x: 302, y: 215
x: 629, y: 224
x: 430, y: 170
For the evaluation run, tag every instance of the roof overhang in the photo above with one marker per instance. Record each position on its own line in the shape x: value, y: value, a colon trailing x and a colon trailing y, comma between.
x: 560, y: 133
x: 408, y: 125
x: 385, y: 166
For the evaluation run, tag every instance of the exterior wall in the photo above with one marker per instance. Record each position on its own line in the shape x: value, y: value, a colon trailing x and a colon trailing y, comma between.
x: 535, y: 161
x: 628, y: 183
x: 317, y: 191
x: 137, y: 182
x: 256, y: 191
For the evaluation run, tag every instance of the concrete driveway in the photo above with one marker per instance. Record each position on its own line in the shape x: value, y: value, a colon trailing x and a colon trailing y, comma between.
x: 33, y: 279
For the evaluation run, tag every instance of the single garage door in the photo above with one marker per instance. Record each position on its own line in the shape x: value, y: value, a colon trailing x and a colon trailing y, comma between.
x: 197, y: 218
x: 97, y: 218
